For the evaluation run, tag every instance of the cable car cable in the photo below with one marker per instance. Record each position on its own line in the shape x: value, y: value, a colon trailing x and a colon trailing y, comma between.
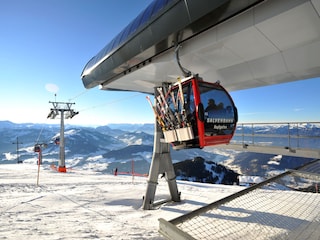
x: 78, y: 95
x: 37, y: 140
x: 112, y: 102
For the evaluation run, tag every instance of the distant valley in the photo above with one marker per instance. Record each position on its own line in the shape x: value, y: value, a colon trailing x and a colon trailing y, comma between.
x: 118, y: 145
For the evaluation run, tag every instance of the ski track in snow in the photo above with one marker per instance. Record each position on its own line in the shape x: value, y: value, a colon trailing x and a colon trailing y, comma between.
x: 83, y: 204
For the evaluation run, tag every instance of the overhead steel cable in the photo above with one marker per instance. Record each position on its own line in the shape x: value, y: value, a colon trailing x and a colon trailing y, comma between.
x: 78, y: 95
x: 111, y: 102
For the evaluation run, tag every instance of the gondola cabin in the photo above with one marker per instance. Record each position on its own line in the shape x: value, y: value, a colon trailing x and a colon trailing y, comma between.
x: 57, y: 141
x: 37, y: 148
x: 194, y: 113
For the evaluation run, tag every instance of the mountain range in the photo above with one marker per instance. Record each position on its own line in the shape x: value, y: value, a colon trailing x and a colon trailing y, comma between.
x: 123, y: 146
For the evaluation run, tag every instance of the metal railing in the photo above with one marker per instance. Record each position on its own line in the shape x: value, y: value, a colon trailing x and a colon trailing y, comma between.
x: 300, y: 139
x: 291, y: 135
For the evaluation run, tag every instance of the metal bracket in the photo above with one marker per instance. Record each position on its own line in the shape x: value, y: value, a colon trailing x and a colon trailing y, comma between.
x: 186, y: 72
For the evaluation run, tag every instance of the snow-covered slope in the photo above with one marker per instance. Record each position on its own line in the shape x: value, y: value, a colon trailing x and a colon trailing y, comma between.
x: 83, y: 204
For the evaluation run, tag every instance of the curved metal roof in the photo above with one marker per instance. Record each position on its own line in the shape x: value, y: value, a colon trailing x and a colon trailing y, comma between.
x: 152, y: 32
x: 112, y: 48
x: 243, y: 44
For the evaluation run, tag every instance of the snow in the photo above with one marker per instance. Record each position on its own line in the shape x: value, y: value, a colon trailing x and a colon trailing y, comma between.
x: 84, y: 204
x: 9, y: 156
x: 275, y: 160
x: 248, y: 180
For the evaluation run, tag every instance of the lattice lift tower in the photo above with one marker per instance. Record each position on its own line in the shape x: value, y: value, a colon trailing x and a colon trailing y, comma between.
x: 65, y: 111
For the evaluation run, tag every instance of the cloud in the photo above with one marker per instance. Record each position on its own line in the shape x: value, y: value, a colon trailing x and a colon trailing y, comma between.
x: 50, y: 87
x: 298, y: 109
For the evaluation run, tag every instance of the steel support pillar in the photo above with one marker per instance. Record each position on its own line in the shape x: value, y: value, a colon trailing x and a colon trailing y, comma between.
x: 40, y: 157
x: 62, y: 164
x: 161, y: 163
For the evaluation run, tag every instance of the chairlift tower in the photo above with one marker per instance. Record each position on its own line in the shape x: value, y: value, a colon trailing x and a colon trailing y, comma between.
x: 65, y: 111
x: 17, y: 144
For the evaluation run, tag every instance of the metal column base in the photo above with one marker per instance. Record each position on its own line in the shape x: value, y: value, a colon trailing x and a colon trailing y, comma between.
x: 161, y: 163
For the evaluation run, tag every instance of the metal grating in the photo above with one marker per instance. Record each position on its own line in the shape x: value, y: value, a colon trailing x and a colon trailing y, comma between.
x: 282, y: 207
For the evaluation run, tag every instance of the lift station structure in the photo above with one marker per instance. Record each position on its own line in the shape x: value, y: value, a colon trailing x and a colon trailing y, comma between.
x: 242, y: 44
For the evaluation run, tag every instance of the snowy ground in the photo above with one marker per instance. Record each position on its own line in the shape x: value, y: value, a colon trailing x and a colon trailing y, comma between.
x: 87, y: 205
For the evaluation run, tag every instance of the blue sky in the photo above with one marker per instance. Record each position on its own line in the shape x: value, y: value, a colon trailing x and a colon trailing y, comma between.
x: 46, y: 44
